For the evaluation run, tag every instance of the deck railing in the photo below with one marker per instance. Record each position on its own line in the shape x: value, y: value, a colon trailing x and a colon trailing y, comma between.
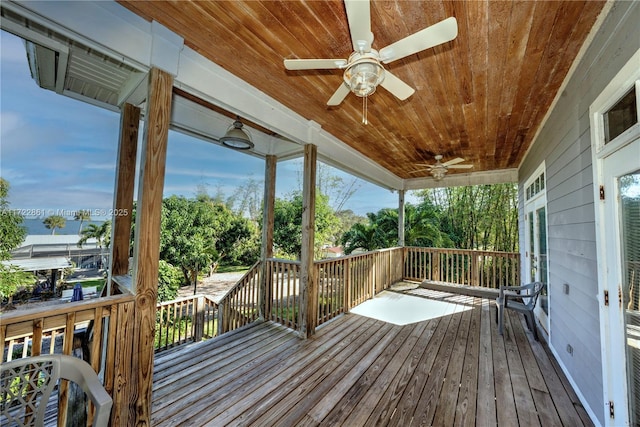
x: 65, y: 329
x: 185, y: 320
x: 240, y: 306
x: 350, y: 280
x: 486, y: 269
x: 283, y: 285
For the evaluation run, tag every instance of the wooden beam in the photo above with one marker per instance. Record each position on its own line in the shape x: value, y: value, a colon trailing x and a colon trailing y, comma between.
x: 267, y: 232
x: 147, y: 239
x: 123, y: 197
x: 400, y: 217
x: 308, y: 283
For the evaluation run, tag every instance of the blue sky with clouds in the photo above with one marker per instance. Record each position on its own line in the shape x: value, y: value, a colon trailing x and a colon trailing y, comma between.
x: 60, y: 154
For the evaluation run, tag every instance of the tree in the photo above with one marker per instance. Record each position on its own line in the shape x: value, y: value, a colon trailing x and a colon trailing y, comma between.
x: 287, y: 235
x: 421, y: 224
x: 196, y: 235
x: 361, y: 236
x: 12, y: 234
x: 54, y: 221
x: 102, y: 234
x: 82, y: 216
x: 478, y: 217
x: 247, y: 199
x: 169, y: 281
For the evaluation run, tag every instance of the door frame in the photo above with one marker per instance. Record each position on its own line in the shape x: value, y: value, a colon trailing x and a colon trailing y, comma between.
x: 612, y: 334
x: 533, y: 204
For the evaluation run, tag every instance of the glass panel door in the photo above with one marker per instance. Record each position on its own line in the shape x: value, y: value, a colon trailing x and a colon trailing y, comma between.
x: 541, y: 237
x: 536, y: 269
x: 621, y: 273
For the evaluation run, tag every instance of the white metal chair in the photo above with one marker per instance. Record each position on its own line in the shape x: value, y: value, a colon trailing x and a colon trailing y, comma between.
x: 521, y: 299
x: 26, y: 385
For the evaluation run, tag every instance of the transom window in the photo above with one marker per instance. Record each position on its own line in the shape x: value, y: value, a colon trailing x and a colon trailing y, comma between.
x: 622, y: 116
x: 535, y: 187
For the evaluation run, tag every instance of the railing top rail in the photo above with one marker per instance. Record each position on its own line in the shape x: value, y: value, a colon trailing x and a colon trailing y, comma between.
x: 56, y: 310
x: 242, y: 279
x: 284, y: 261
x: 475, y: 251
x: 360, y: 255
x: 187, y: 298
x: 328, y: 260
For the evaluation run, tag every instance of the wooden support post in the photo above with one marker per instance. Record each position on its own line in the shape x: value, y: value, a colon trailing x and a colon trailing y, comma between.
x: 266, y: 285
x: 435, y: 267
x: 308, y: 284
x: 123, y: 197
x: 401, y: 218
x: 347, y: 284
x: 147, y: 239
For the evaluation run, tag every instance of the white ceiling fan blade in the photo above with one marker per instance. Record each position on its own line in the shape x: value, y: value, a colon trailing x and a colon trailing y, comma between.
x: 434, y: 35
x: 314, y: 64
x: 359, y: 17
x: 453, y: 161
x: 339, y: 95
x: 397, y: 87
x: 460, y: 167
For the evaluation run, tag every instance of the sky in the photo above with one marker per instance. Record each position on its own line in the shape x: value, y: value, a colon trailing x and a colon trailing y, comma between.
x: 59, y: 154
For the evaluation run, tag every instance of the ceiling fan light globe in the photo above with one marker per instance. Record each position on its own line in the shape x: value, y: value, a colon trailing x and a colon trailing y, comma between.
x: 364, y: 76
x: 438, y: 173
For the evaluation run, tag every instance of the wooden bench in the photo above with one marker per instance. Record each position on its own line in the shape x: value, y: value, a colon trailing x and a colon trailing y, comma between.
x: 474, y: 291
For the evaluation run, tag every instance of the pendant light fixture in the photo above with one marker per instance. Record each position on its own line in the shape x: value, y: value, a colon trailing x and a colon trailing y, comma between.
x: 236, y: 137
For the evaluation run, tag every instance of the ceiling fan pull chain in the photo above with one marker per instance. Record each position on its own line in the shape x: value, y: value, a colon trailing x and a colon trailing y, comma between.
x: 365, y: 108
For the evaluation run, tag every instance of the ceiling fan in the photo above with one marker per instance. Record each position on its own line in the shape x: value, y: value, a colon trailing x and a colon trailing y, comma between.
x: 439, y: 169
x: 363, y: 71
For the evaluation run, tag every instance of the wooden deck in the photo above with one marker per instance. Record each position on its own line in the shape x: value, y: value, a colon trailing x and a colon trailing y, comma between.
x: 452, y: 370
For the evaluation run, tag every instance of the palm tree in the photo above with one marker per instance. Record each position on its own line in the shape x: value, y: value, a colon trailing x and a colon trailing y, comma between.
x: 102, y: 234
x: 361, y: 236
x: 82, y: 215
x: 54, y: 221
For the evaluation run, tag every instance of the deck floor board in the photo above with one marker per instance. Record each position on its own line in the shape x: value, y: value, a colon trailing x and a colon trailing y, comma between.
x: 358, y: 371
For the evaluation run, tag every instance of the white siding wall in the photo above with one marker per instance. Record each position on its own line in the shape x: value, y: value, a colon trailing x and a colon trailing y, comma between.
x: 564, y: 143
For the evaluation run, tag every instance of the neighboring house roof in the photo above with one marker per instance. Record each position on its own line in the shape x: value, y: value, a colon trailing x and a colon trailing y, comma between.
x: 47, y: 245
x: 49, y: 239
x: 35, y: 264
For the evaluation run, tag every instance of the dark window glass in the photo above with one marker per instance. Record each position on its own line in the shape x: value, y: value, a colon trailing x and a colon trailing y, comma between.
x: 621, y: 116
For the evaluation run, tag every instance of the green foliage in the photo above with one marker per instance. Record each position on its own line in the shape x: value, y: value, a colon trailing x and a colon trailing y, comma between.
x: 102, y: 234
x: 82, y: 216
x: 198, y: 234
x: 479, y: 217
x: 12, y: 234
x: 287, y: 235
x: 54, y: 221
x: 421, y: 229
x: 169, y: 281
x: 11, y: 278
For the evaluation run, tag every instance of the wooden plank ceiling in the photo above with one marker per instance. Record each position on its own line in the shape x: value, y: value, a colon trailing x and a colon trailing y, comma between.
x: 481, y: 96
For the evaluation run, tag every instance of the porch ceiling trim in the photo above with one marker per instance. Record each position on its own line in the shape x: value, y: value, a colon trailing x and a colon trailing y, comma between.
x: 457, y: 180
